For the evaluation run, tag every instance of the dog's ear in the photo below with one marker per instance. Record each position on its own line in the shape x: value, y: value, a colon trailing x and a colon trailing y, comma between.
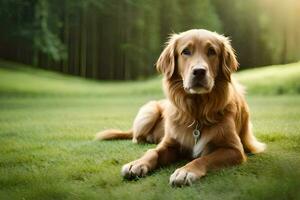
x: 167, y: 59
x: 228, y: 62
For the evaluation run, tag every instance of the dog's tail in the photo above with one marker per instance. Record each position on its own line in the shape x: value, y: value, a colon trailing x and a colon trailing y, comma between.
x: 250, y: 143
x: 111, y: 134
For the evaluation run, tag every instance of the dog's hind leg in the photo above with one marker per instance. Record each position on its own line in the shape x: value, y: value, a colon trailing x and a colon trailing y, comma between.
x: 147, y: 125
x: 147, y: 121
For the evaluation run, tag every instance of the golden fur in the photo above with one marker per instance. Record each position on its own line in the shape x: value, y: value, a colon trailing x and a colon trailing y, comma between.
x: 199, y: 89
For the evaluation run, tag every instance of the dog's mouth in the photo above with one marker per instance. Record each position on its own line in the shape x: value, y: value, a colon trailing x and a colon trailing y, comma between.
x: 196, y: 90
x: 198, y: 87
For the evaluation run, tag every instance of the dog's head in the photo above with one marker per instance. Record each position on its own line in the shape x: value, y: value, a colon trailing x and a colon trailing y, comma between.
x: 198, y: 57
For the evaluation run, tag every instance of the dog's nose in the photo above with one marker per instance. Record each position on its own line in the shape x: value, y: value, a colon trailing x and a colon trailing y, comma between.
x: 199, y: 72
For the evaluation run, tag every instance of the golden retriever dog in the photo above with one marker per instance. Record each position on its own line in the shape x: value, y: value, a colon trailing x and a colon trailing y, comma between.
x: 204, y: 117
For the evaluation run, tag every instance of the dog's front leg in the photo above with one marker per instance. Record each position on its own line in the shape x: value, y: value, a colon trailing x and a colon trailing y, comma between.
x: 197, y: 168
x: 165, y: 153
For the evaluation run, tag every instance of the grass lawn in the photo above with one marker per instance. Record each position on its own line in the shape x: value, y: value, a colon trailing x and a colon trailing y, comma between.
x: 48, y: 121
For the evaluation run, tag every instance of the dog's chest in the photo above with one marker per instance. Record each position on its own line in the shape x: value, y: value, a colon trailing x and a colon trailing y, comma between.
x: 199, y: 147
x: 188, y: 141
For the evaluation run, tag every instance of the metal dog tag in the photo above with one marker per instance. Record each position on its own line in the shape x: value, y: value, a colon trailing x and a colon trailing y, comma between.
x: 196, y: 134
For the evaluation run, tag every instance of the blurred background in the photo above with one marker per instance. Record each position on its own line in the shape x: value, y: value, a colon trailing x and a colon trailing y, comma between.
x: 121, y: 39
x: 48, y: 119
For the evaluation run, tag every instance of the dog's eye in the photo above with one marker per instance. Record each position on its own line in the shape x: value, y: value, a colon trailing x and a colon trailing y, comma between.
x: 211, y: 52
x: 186, y: 52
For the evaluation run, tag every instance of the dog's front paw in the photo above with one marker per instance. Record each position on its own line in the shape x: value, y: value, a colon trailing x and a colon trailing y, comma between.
x: 134, y: 169
x: 182, y: 177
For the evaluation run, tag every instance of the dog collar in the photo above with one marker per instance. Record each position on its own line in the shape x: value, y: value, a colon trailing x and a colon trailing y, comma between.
x: 196, y: 131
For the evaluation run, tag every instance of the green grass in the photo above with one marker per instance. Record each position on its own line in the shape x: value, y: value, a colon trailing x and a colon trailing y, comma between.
x: 48, y: 121
x: 273, y: 80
